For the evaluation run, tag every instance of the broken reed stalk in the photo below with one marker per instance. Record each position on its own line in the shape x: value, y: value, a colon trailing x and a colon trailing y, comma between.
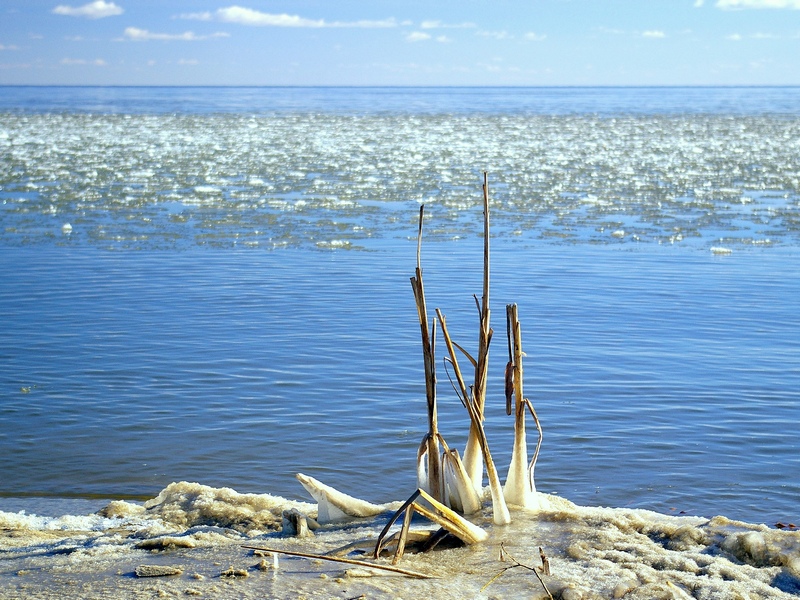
x: 520, y: 488
x: 500, y: 515
x: 349, y: 561
x: 429, y: 462
x: 545, y: 561
x: 473, y: 452
x: 401, y: 542
x: 467, y: 532
x: 440, y: 514
x: 382, y: 535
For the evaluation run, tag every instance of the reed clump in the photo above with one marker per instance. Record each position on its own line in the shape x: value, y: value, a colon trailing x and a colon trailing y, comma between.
x: 448, y: 488
x: 459, y: 484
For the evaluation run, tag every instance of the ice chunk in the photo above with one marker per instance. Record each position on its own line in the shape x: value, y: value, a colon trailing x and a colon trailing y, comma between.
x: 334, y: 505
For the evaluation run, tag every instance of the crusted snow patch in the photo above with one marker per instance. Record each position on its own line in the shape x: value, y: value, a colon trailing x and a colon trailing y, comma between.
x: 189, y: 504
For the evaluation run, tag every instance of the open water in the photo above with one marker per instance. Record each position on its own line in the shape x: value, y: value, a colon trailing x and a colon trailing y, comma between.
x: 212, y: 284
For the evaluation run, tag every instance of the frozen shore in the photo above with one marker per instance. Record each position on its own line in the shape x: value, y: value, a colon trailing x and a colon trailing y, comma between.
x: 197, y: 533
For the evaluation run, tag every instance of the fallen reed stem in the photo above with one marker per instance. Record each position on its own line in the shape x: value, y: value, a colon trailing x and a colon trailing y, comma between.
x: 349, y: 561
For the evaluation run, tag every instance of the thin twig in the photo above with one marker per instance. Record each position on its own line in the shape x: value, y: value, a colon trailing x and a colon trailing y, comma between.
x: 446, y: 360
x: 495, y: 578
x: 504, y: 554
x: 349, y: 561
x: 538, y: 443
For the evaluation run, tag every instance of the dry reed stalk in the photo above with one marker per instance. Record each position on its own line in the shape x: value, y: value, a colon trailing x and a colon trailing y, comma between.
x: 401, y: 541
x: 473, y: 452
x: 520, y: 488
x: 477, y: 451
x: 349, y: 561
x: 500, y: 514
x: 429, y: 461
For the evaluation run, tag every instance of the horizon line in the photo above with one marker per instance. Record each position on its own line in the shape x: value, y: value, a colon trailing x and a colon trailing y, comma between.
x: 385, y: 86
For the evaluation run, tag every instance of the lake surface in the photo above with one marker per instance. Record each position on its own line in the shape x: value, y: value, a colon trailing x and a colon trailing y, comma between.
x: 212, y: 284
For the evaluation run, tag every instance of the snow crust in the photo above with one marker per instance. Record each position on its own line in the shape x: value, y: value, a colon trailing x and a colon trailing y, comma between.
x: 593, y: 552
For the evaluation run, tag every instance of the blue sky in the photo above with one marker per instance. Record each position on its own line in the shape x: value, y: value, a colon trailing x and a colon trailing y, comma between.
x: 389, y: 42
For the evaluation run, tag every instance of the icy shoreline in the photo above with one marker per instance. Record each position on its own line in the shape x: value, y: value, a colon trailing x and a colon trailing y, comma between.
x: 199, y: 531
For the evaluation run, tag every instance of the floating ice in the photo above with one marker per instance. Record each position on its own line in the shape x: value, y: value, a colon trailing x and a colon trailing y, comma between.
x: 586, y: 175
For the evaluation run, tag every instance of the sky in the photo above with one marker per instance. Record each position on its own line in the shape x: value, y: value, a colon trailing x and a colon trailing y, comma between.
x: 393, y: 42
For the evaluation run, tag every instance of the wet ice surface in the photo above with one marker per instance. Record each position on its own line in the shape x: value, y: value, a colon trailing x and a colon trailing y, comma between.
x: 593, y: 553
x: 345, y: 181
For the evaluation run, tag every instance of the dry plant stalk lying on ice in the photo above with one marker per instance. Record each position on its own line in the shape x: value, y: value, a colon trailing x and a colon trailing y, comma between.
x: 447, y: 487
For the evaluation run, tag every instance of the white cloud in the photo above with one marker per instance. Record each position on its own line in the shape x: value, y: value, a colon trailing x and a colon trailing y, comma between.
x: 443, y: 39
x: 12, y: 47
x: 143, y: 35
x: 189, y: 61
x: 440, y: 25
x: 698, y: 3
x: 248, y: 16
x: 240, y: 15
x: 740, y: 4
x: 535, y: 37
x: 648, y: 33
x: 94, y: 10
x: 498, y: 35
x: 417, y: 36
x: 737, y: 37
x: 98, y: 62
